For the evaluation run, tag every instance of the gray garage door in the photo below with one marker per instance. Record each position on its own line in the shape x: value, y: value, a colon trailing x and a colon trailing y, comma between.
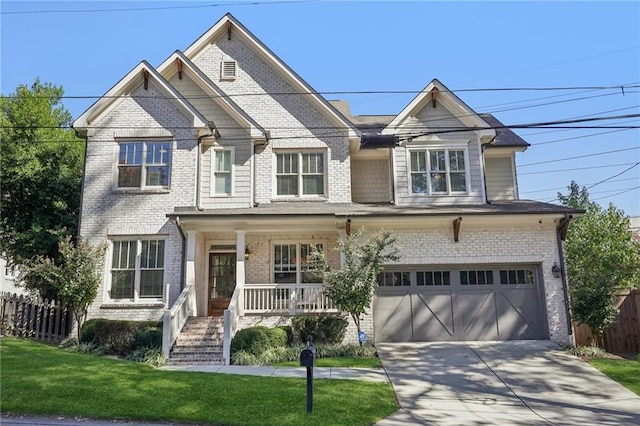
x: 484, y: 303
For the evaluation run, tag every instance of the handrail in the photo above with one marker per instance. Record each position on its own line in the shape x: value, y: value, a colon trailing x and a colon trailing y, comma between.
x: 231, y: 315
x: 290, y: 298
x: 175, y: 318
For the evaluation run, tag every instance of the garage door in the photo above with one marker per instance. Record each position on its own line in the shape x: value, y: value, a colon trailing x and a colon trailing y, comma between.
x: 484, y: 303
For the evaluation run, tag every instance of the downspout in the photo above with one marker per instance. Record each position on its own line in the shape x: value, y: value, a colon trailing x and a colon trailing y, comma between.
x: 392, y: 175
x: 561, y: 234
x: 198, y: 161
x: 184, y: 253
x: 84, y: 174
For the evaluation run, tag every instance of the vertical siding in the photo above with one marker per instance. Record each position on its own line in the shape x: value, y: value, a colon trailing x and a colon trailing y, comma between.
x: 499, y: 178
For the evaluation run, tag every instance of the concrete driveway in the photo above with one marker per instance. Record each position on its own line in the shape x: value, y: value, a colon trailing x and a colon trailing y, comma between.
x: 501, y: 383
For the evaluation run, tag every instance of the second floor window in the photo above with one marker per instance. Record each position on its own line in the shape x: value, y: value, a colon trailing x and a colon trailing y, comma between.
x: 222, y: 171
x: 438, y: 171
x: 144, y: 164
x: 300, y: 174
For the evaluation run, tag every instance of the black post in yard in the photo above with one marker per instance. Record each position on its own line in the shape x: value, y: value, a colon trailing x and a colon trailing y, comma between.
x: 309, y: 389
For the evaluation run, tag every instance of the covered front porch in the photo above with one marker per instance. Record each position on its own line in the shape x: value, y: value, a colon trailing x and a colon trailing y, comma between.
x: 254, y: 268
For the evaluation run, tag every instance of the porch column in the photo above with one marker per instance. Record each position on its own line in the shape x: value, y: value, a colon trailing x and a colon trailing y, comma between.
x: 342, y: 233
x: 240, y: 271
x: 190, y: 269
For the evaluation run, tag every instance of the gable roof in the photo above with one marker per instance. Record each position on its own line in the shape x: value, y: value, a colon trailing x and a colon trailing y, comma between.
x: 451, y: 102
x: 505, y: 137
x: 125, y: 86
x: 228, y: 24
x: 168, y: 68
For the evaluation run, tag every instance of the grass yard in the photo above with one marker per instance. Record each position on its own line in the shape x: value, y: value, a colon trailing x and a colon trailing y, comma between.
x: 624, y: 371
x: 338, y: 362
x: 43, y: 380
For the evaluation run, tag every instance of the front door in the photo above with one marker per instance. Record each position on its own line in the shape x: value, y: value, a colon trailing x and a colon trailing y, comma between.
x: 222, y: 282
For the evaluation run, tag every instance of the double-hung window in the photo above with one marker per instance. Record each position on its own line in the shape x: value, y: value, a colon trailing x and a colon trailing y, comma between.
x: 137, y: 269
x: 300, y: 174
x: 290, y: 263
x: 438, y: 171
x: 144, y: 164
x: 222, y: 171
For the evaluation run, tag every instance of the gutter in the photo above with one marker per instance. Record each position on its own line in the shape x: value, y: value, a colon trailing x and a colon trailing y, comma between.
x: 561, y: 235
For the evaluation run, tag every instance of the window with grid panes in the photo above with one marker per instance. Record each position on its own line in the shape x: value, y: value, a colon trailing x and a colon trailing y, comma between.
x: 222, y: 171
x: 476, y: 277
x: 137, y: 269
x: 437, y: 171
x: 290, y: 263
x: 516, y: 276
x: 144, y: 164
x: 300, y: 173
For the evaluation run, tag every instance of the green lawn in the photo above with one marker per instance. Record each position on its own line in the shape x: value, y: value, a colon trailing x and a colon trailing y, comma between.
x: 624, y: 371
x: 339, y: 362
x: 43, y: 380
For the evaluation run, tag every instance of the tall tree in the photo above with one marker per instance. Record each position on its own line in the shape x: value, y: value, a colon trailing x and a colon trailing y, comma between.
x: 602, y: 258
x: 352, y: 287
x: 40, y: 172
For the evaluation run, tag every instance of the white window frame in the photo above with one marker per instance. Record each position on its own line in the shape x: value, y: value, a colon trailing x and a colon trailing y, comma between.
x: 143, y: 164
x: 298, y: 264
x: 300, y: 173
x: 212, y: 185
x: 427, y: 149
x: 137, y: 298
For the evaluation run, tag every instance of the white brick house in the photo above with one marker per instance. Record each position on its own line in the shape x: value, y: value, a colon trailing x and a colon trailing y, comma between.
x: 210, y: 175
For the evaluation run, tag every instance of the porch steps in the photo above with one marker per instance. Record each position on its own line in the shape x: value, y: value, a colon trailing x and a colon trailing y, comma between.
x: 199, y: 343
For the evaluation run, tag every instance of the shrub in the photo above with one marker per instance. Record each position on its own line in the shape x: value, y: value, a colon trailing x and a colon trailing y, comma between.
x: 253, y: 340
x: 148, y: 337
x: 289, y: 331
x: 117, y: 336
x: 585, y: 351
x: 277, y: 337
x: 244, y: 358
x: 324, y: 329
x: 148, y: 355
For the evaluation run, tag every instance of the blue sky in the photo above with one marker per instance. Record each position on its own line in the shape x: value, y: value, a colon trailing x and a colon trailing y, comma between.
x: 386, y: 46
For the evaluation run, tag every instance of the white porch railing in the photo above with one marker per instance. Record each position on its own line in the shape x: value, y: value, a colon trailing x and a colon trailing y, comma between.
x: 288, y: 299
x: 231, y: 315
x: 175, y: 318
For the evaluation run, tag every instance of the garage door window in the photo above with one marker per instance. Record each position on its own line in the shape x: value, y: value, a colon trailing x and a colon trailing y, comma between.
x: 433, y: 278
x: 476, y: 277
x: 394, y: 279
x: 516, y: 276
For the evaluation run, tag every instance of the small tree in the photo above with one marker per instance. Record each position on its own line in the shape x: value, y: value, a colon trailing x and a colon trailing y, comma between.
x: 74, y: 275
x: 602, y: 258
x: 352, y: 286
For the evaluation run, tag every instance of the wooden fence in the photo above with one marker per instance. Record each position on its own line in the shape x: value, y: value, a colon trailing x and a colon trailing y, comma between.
x: 26, y: 316
x: 623, y: 336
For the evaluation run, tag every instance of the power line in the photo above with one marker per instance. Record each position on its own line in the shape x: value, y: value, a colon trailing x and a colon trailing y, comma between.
x: 564, y: 187
x: 145, y: 9
x: 601, y: 166
x: 579, y: 156
x: 615, y: 195
x: 611, y: 177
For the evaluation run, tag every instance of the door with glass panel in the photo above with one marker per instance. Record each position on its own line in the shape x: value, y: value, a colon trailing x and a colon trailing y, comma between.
x: 222, y: 282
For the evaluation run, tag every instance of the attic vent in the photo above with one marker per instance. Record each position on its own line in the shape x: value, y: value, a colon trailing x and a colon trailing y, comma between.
x: 228, y: 70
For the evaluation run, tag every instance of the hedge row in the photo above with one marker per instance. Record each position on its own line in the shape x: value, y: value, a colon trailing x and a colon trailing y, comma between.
x: 119, y: 337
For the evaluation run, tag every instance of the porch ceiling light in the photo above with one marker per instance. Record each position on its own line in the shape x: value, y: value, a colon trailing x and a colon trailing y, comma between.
x: 247, y: 252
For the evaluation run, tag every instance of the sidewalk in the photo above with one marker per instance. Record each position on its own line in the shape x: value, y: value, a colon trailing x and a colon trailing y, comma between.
x: 371, y: 374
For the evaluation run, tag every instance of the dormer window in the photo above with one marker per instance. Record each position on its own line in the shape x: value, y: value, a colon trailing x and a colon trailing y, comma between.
x: 228, y: 70
x: 438, y: 171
